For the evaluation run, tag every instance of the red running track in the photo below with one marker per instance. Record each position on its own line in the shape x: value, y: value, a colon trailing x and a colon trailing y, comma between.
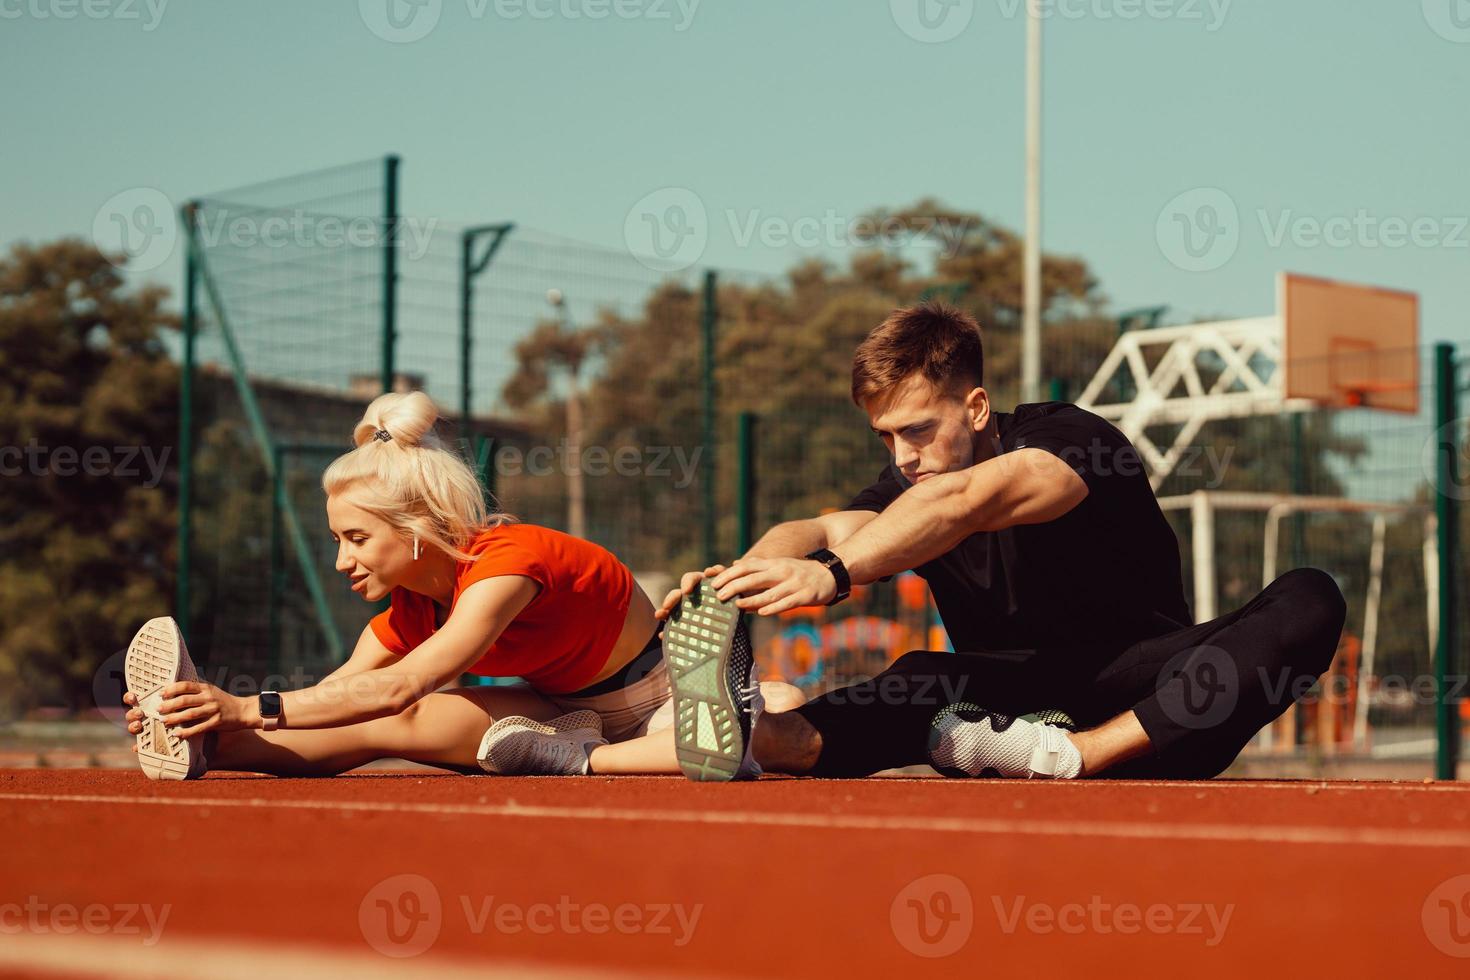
x: 781, y: 877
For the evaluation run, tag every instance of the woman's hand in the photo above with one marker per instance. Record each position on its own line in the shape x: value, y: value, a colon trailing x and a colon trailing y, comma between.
x: 192, y: 708
x: 686, y: 586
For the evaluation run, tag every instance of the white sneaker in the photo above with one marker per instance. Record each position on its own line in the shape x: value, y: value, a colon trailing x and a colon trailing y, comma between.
x: 968, y: 741
x: 157, y: 658
x: 517, y: 746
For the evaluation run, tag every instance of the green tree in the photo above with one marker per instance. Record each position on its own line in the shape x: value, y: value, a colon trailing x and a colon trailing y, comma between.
x: 88, y: 414
x: 785, y: 352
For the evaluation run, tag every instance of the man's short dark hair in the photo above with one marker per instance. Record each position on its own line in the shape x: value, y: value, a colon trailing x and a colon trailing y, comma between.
x: 937, y: 341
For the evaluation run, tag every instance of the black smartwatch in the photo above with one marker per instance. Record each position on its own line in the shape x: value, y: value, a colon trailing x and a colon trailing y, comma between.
x: 270, y: 710
x: 834, y: 565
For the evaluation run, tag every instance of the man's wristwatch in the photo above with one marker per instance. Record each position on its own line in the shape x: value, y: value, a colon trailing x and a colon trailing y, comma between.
x: 270, y: 710
x: 834, y: 565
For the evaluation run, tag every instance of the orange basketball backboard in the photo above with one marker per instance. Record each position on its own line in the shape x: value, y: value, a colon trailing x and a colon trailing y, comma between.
x: 1350, y: 346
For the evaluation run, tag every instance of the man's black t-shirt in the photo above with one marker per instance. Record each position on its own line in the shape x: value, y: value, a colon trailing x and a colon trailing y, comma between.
x: 1104, y: 574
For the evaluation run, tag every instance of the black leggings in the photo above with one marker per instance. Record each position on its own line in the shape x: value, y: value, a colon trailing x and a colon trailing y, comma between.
x: 1200, y: 693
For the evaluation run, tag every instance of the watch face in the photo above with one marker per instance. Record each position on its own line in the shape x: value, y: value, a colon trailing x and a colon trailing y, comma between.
x: 270, y: 704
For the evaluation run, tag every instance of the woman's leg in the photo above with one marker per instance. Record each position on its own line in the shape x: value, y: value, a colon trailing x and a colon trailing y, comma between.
x: 648, y: 754
x: 443, y: 729
x: 654, y: 753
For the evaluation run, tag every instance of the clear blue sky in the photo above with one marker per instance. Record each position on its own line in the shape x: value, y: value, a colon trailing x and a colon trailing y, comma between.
x: 1307, y: 109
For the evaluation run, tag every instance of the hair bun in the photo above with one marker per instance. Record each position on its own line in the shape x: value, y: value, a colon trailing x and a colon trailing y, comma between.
x: 408, y: 419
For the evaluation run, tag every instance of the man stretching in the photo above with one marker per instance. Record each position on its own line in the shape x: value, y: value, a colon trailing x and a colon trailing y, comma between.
x: 1056, y: 575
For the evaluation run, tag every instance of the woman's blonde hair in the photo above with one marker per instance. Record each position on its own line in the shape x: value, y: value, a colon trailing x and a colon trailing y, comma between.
x: 401, y: 472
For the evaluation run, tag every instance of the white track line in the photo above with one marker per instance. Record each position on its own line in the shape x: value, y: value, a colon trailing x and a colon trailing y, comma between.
x: 1030, y: 827
x: 1305, y: 786
x: 236, y: 959
x: 1201, y: 786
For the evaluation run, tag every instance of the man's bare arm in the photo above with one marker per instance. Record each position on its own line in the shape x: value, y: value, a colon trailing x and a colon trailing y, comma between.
x: 1029, y: 486
x: 796, y: 539
x: 793, y: 539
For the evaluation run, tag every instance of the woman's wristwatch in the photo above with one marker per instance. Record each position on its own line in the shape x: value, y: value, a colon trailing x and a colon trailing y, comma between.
x: 834, y: 565
x: 270, y: 710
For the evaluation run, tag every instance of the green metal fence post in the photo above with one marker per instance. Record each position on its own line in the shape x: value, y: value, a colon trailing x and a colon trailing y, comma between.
x: 390, y: 268
x: 470, y: 268
x: 1298, y: 487
x: 182, y: 596
x: 747, y: 483
x: 1298, y: 533
x: 1447, y: 485
x: 709, y: 317
x: 278, y: 561
x: 466, y: 339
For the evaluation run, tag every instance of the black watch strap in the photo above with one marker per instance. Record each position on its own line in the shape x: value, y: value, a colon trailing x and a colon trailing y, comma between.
x: 834, y: 565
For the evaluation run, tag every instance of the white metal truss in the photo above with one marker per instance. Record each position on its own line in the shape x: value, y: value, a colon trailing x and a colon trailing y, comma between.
x: 1246, y: 353
x: 1203, y: 506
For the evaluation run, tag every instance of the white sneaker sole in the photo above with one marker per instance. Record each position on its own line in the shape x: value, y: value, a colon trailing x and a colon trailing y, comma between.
x: 157, y: 658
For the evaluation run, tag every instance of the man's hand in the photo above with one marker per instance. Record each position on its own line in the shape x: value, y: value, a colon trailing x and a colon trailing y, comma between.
x: 191, y: 707
x: 686, y: 586
x: 774, y: 585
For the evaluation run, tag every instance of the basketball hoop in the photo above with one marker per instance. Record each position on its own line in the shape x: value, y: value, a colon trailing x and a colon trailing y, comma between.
x: 1350, y: 346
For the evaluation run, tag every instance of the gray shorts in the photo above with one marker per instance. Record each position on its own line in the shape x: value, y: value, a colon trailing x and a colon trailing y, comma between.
x: 642, y: 708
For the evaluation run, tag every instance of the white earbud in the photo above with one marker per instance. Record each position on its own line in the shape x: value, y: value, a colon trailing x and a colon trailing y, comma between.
x: 415, y: 547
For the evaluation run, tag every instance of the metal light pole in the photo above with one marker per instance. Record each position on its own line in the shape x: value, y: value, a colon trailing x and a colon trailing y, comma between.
x: 576, y: 486
x: 1031, y: 311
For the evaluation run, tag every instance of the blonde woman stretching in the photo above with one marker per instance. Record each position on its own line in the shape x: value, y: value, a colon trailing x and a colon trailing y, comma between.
x: 471, y: 591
